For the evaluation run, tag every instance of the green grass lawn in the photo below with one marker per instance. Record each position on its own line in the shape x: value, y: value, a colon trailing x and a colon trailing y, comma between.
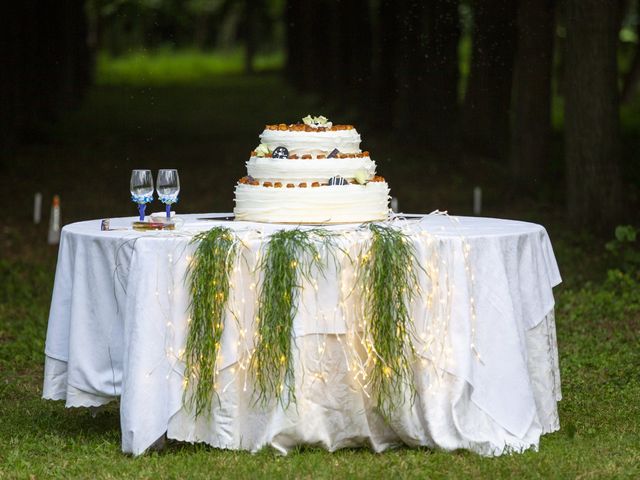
x: 206, y: 128
x: 166, y: 67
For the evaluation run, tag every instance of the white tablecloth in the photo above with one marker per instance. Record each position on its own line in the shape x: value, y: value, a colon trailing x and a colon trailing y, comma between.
x: 119, y: 317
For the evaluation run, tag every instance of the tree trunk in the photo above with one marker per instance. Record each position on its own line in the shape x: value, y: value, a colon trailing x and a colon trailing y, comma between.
x: 488, y: 96
x: 632, y: 77
x: 410, y: 67
x: 385, y: 80
x: 10, y: 83
x: 312, y: 19
x: 44, y: 45
x: 531, y: 109
x: 250, y: 35
x: 592, y: 124
x: 293, y: 31
x: 68, y: 54
x: 440, y: 106
x: 354, y: 53
x: 328, y: 41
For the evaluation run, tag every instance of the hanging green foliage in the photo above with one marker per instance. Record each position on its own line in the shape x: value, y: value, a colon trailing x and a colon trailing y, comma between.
x: 388, y: 282
x: 386, y: 277
x: 289, y: 259
x: 208, y: 276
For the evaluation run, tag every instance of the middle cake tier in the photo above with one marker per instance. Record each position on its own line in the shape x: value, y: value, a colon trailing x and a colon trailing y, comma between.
x: 310, y: 170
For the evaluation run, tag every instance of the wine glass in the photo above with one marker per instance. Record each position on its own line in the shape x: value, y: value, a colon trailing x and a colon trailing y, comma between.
x: 141, y: 187
x: 168, y: 186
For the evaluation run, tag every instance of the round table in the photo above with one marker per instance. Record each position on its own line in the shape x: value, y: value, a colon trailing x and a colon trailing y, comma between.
x: 485, y: 367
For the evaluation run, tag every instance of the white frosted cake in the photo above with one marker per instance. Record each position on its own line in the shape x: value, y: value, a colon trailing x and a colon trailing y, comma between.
x: 311, y: 172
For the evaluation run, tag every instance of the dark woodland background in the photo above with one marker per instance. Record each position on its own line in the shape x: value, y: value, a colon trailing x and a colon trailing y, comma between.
x: 535, y: 101
x: 539, y: 94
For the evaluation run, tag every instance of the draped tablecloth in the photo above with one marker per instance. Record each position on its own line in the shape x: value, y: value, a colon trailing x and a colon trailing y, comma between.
x: 485, y: 368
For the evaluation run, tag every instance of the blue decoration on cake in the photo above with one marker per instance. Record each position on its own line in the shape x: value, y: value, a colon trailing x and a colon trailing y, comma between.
x: 334, y: 153
x: 338, y: 180
x: 280, y: 152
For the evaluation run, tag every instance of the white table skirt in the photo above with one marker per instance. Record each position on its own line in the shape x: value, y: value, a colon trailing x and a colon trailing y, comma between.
x: 118, y: 324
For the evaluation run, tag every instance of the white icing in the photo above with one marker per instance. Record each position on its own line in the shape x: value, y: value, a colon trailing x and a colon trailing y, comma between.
x: 347, y: 141
x: 313, y: 170
x: 327, y: 204
x: 324, y: 204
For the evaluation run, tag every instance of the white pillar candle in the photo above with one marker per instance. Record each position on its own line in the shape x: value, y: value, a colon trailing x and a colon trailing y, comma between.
x: 54, y: 222
x: 37, y: 208
x: 477, y: 201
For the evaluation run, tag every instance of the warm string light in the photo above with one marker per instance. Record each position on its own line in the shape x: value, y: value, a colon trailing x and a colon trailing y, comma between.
x: 238, y: 313
x: 237, y: 308
x: 466, y: 249
x: 438, y: 314
x: 173, y: 360
x: 437, y: 293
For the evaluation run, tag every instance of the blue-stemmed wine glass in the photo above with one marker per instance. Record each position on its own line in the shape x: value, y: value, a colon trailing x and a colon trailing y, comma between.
x: 168, y: 186
x: 141, y: 187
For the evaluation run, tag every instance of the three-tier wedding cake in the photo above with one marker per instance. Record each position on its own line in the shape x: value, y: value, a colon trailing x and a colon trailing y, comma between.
x: 311, y: 172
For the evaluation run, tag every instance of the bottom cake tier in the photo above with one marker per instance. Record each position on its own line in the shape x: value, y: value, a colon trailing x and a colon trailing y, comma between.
x: 324, y: 204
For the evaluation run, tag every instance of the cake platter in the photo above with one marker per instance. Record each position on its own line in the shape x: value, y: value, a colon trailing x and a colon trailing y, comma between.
x: 314, y: 224
x: 311, y: 224
x: 328, y: 222
x: 218, y: 218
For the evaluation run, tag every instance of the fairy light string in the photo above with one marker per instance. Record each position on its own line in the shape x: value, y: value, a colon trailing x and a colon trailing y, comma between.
x: 386, y: 274
x: 395, y: 295
x: 208, y: 276
x: 290, y: 258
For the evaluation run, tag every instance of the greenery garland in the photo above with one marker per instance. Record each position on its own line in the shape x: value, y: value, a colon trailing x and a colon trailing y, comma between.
x: 388, y: 282
x: 289, y: 259
x: 386, y: 277
x: 209, y: 273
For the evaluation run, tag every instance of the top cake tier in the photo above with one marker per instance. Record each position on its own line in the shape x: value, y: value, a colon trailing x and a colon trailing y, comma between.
x: 300, y: 139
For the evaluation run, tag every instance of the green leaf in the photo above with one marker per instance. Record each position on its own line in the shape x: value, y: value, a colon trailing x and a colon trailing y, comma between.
x: 208, y: 278
x: 387, y: 277
x: 290, y: 257
x: 625, y: 233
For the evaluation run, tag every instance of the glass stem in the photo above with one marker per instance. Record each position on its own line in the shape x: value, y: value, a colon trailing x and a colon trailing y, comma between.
x: 141, y: 208
x: 168, y: 208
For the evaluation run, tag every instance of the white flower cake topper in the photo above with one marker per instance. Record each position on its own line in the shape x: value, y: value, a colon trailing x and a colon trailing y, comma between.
x: 319, y: 121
